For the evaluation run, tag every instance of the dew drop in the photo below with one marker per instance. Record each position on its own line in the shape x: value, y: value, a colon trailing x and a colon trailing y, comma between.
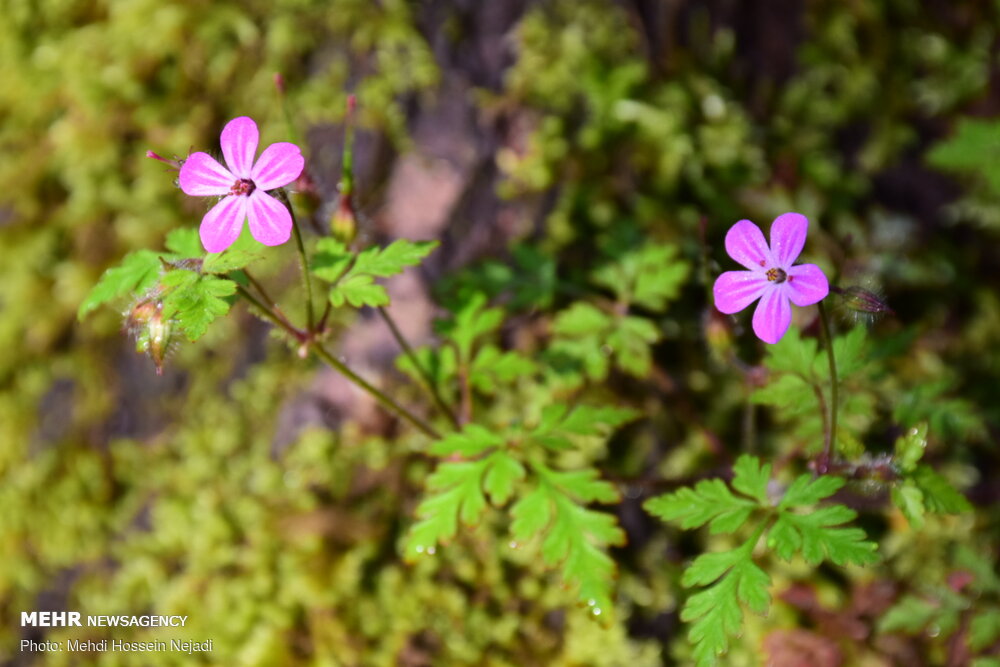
x: 514, y: 545
x: 591, y: 602
x: 419, y: 549
x: 431, y: 550
x: 597, y: 611
x: 934, y: 631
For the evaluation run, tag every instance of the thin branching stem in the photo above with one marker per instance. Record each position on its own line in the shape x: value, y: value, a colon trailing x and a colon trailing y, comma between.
x: 340, y: 366
x: 303, y: 262
x: 382, y: 398
x: 421, y: 371
x: 830, y: 441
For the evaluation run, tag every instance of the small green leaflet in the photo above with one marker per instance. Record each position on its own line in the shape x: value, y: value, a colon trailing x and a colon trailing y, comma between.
x: 352, y: 277
x: 972, y: 150
x: 472, y: 321
x: 792, y: 526
x: 239, y: 255
x: 558, y: 423
x: 573, y: 536
x: 921, y: 489
x: 137, y: 273
x: 648, y: 276
x: 492, y: 368
x: 715, y: 614
x: 195, y: 300
x: 550, y: 506
x: 184, y: 242
x: 591, y: 338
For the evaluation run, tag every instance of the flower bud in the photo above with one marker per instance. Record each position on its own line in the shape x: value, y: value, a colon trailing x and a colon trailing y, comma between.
x: 343, y: 223
x: 863, y: 304
x: 152, y: 332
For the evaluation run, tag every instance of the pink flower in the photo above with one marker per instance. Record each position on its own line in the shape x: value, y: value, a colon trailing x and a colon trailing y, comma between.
x: 244, y: 186
x: 771, y: 276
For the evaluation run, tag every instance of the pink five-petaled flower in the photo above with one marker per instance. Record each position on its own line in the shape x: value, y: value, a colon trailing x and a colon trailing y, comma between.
x: 243, y: 186
x: 771, y: 276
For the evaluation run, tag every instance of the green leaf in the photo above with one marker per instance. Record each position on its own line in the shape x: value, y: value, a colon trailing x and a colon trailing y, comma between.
x: 137, y: 273
x: 331, y: 260
x: 472, y: 440
x: 581, y: 319
x: 388, y: 261
x: 596, y: 420
x: 573, y: 536
x: 818, y: 536
x: 630, y: 341
x: 491, y: 368
x: 195, y: 300
x: 184, y: 242
x: 716, y: 615
x: 808, y: 491
x: 352, y: 278
x: 940, y: 496
x: 239, y: 255
x: 473, y: 321
x: 358, y: 290
x: 910, y: 448
x: 649, y: 276
x: 710, y: 501
x: 454, y: 493
x: 973, y: 150
x: 750, y: 477
x: 910, y: 501
x: 792, y: 354
x: 502, y: 474
x: 984, y: 630
x: 911, y: 615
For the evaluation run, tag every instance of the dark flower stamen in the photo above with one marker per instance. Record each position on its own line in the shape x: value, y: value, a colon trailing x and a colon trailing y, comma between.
x: 244, y: 186
x: 776, y: 275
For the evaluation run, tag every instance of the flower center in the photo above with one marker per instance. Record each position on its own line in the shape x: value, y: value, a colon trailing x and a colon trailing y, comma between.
x: 243, y: 186
x: 776, y: 275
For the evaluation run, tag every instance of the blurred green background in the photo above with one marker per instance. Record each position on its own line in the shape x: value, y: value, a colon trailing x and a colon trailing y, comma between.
x: 255, y: 494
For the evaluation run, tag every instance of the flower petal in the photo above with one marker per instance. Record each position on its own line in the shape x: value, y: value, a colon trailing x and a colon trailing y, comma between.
x: 745, y: 243
x: 735, y: 290
x: 222, y: 225
x: 279, y: 165
x: 806, y: 284
x: 239, y: 145
x: 788, y: 236
x: 772, y: 317
x: 270, y: 221
x: 201, y: 176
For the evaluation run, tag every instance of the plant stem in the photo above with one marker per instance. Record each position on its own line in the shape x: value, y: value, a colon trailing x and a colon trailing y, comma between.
x: 266, y: 297
x: 323, y: 354
x: 303, y: 261
x: 392, y: 405
x: 271, y: 315
x: 421, y: 371
x: 831, y: 439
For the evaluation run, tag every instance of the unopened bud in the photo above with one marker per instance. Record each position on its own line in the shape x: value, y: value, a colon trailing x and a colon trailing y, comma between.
x: 173, y: 164
x: 152, y: 332
x: 864, y: 303
x: 343, y: 222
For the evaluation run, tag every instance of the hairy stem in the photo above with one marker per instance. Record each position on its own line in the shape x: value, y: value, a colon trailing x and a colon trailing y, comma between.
x: 267, y: 298
x: 421, y: 371
x: 387, y: 402
x: 325, y: 355
x: 272, y: 315
x: 830, y: 441
x: 303, y: 261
